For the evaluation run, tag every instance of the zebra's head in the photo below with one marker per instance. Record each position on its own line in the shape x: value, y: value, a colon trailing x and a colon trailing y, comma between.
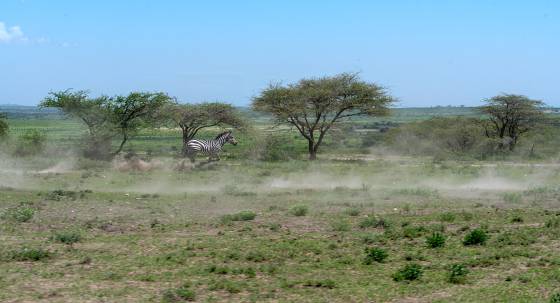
x: 228, y: 137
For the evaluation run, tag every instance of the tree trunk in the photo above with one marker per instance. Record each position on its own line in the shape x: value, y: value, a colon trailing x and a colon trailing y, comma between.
x: 185, y: 140
x: 312, y: 150
x: 125, y: 138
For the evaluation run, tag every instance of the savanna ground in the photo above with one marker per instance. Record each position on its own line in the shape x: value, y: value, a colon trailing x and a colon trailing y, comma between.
x: 288, y: 231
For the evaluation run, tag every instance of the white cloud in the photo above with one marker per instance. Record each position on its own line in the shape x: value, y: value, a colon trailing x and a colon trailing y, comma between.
x: 12, y: 33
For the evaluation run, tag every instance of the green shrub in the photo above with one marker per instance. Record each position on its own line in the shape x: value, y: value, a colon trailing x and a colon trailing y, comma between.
x: 4, y: 127
x: 20, y: 213
x: 555, y: 298
x: 412, y: 232
x: 181, y: 294
x: 31, y: 142
x: 340, y: 225
x: 299, y: 210
x: 353, y: 212
x: 326, y: 283
x: 477, y: 236
x: 435, y: 240
x: 409, y: 272
x: 29, y: 254
x: 512, y: 197
x: 67, y: 237
x: 447, y: 217
x: 245, y: 215
x: 516, y: 237
x: 553, y: 222
x: 374, y: 222
x: 255, y: 256
x: 375, y: 254
x: 59, y: 194
x: 457, y: 273
x: 278, y: 148
x: 232, y: 287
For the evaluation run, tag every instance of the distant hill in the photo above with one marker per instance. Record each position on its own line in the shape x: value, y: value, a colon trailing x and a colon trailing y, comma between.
x: 29, y: 112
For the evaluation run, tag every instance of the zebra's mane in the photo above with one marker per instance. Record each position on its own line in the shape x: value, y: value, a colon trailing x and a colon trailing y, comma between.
x: 223, y: 134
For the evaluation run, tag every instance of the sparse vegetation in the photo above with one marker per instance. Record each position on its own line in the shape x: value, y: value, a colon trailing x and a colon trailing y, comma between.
x: 21, y: 213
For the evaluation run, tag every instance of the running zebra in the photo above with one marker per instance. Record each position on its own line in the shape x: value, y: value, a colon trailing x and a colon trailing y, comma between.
x: 209, y: 147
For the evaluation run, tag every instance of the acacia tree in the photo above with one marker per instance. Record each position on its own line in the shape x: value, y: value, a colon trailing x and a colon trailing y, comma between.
x: 95, y: 113
x: 136, y: 110
x: 313, y: 106
x: 191, y: 118
x: 107, y: 117
x: 510, y: 116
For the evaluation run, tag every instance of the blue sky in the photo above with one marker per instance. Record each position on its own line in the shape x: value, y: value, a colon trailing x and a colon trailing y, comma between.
x: 425, y: 52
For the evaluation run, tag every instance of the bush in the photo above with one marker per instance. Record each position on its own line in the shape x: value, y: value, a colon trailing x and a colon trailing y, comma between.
x: 20, y: 213
x: 441, y: 137
x: 181, y: 294
x: 3, y: 126
x: 477, y: 236
x: 31, y: 142
x: 409, y: 272
x: 412, y: 232
x: 435, y: 240
x: 457, y: 273
x: 67, y: 237
x: 327, y: 283
x: 555, y: 298
x: 375, y: 254
x: 353, y: 212
x: 512, y: 197
x: 373, y: 222
x: 29, y: 254
x: 340, y: 225
x: 447, y: 217
x: 245, y: 215
x: 553, y: 222
x: 278, y: 148
x: 299, y: 210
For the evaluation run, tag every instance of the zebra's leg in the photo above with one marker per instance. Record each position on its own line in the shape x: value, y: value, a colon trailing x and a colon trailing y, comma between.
x: 213, y: 157
x: 191, y: 155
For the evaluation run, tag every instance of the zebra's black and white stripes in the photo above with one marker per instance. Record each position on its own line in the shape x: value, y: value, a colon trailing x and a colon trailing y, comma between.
x: 212, y: 148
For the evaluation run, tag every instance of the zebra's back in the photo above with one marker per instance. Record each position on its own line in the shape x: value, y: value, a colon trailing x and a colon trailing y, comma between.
x: 203, y: 146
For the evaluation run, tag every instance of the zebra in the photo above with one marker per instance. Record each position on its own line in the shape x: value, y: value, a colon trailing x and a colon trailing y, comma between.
x: 209, y: 147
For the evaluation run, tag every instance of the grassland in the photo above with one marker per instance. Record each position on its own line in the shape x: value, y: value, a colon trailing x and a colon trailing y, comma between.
x: 279, y: 232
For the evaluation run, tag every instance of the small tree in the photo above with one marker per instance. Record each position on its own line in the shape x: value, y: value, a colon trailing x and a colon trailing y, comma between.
x: 191, y: 118
x: 313, y: 106
x: 95, y: 113
x: 510, y: 116
x: 137, y: 109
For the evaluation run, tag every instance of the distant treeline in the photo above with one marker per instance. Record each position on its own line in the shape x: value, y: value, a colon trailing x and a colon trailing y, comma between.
x: 404, y: 114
